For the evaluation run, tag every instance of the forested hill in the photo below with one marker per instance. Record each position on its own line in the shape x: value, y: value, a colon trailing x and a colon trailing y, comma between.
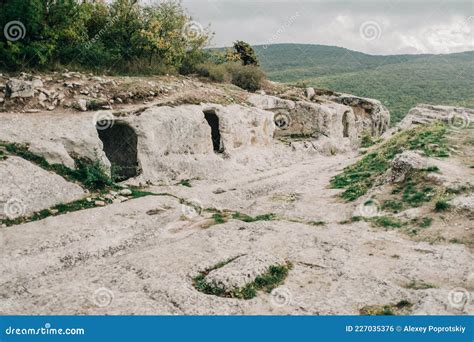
x: 399, y: 81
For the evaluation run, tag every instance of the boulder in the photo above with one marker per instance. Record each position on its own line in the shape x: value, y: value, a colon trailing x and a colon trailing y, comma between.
x: 403, y: 164
x: 37, y: 83
x: 27, y: 188
x: 81, y: 104
x: 57, y: 138
x: 241, y: 271
x: 19, y: 88
x: 310, y: 93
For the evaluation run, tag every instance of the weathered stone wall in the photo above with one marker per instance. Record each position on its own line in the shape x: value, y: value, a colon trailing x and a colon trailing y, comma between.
x: 335, y: 116
x: 171, y: 141
x: 55, y: 137
x: 26, y: 188
x: 371, y: 116
x: 310, y: 119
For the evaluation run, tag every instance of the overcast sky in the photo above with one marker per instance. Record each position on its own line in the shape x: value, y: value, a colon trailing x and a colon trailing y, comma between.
x: 375, y: 27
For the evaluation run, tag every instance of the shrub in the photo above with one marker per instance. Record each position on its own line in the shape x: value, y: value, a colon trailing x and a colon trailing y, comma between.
x: 92, y: 174
x: 441, y: 205
x: 247, y: 77
x: 215, y: 72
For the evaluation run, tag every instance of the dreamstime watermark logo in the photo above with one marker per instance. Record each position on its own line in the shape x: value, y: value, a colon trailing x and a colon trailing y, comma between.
x: 458, y: 298
x: 281, y: 30
x: 280, y: 297
x: 282, y: 120
x: 14, y: 30
x: 14, y: 208
x: 370, y: 208
x: 103, y: 120
x: 458, y: 121
x: 192, y: 30
x: 103, y: 297
x: 370, y: 30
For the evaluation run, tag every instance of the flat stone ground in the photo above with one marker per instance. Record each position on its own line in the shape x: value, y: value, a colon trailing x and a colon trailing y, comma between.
x: 139, y: 257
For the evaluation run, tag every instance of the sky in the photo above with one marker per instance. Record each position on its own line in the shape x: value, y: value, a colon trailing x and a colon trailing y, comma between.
x: 382, y: 27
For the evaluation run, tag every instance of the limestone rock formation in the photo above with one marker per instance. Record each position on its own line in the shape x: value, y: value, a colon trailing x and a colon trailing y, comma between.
x: 456, y: 117
x: 57, y: 138
x: 308, y: 119
x: 335, y: 116
x: 26, y: 188
x: 241, y: 271
x: 372, y: 116
x: 160, y: 142
x: 425, y: 113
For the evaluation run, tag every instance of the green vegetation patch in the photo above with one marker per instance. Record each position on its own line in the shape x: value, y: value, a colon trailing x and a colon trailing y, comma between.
x: 403, y: 307
x: 248, y: 218
x: 317, y: 223
x: 219, y: 218
x: 358, y: 178
x: 425, y: 222
x: 368, y: 140
x: 64, y: 208
x: 394, y: 206
x: 419, y: 285
x: 441, y: 205
x: 415, y: 193
x: 387, y: 222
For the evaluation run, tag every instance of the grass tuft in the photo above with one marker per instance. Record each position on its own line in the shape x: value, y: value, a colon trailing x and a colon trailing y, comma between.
x: 357, y: 179
x: 248, y: 218
x: 402, y: 307
x: 419, y: 285
x: 441, y: 205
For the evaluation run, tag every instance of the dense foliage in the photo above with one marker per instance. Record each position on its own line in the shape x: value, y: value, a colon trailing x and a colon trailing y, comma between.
x: 244, y: 52
x: 399, y: 81
x: 238, y: 66
x: 118, y: 36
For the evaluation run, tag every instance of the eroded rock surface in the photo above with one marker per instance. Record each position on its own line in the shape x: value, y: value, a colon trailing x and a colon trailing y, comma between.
x: 455, y: 117
x: 342, y: 118
x: 199, y: 163
x: 26, y: 188
x: 242, y: 271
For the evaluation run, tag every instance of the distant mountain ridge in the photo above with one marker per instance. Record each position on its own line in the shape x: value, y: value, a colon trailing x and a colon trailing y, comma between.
x: 399, y: 81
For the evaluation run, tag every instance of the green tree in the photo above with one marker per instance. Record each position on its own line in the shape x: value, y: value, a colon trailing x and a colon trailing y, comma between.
x: 121, y: 35
x: 245, y: 53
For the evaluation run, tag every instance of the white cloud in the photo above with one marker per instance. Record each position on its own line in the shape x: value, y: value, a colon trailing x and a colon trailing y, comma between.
x: 416, y: 26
